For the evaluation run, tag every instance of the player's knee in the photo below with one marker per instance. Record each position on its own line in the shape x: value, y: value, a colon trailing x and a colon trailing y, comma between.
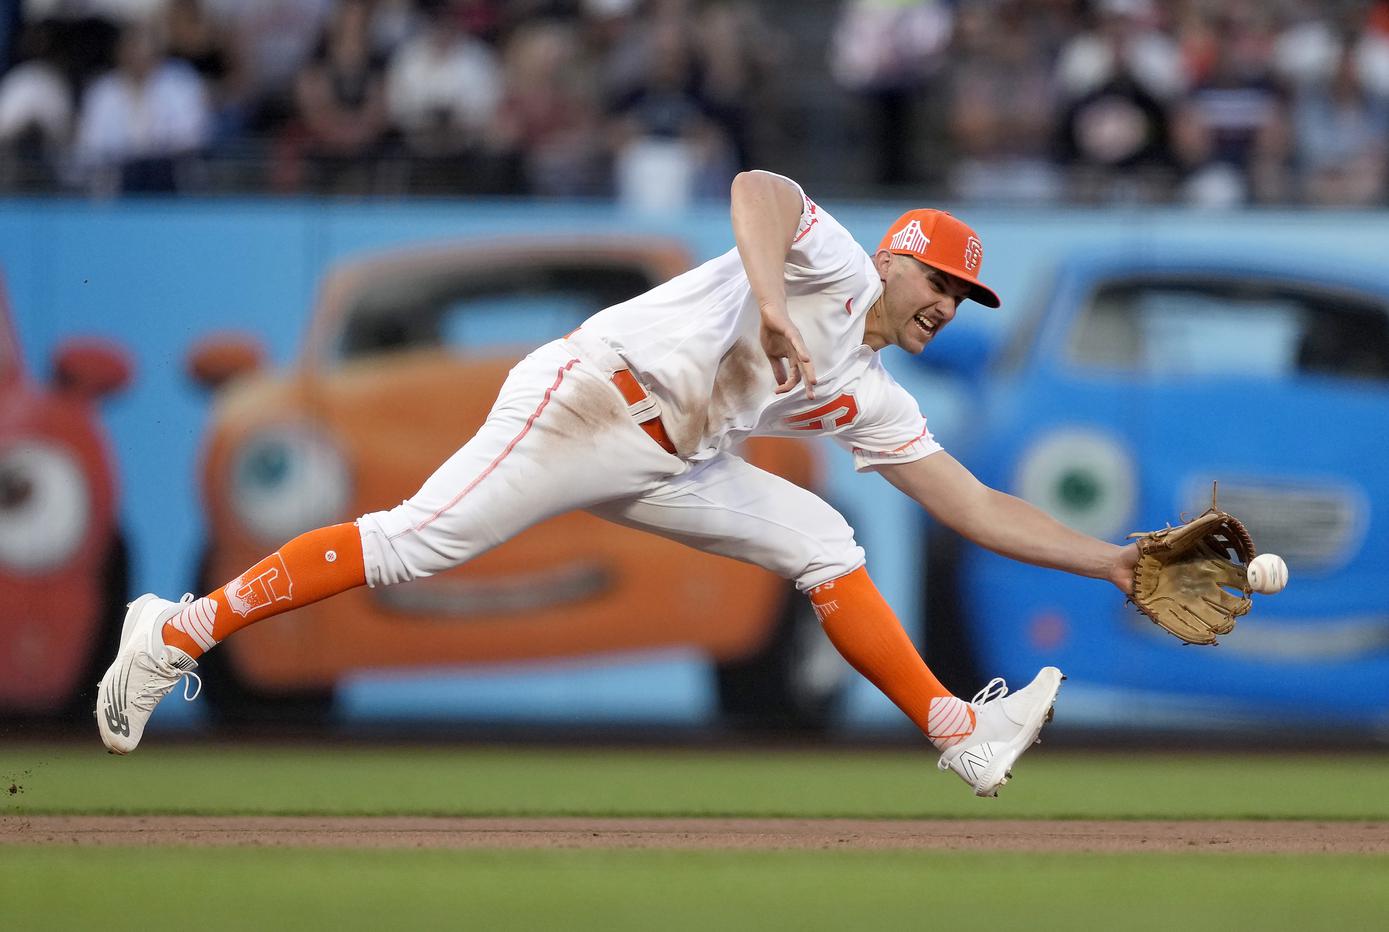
x: 830, y: 565
x: 394, y: 551
x: 832, y: 553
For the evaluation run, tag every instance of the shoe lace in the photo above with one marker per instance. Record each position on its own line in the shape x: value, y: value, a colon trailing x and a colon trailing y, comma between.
x: 996, y: 688
x: 166, y: 676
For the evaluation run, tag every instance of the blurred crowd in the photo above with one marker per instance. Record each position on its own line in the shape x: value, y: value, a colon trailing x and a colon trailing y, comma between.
x: 559, y: 99
x: 1207, y: 102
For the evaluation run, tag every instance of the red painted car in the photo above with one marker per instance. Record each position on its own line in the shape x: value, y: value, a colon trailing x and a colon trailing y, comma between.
x: 62, y: 555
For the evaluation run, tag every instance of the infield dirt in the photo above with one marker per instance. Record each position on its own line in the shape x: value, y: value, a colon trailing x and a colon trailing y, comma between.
x: 1292, y: 837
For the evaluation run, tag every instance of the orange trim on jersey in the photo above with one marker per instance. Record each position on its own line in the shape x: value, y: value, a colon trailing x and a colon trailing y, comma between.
x: 813, y: 220
x: 896, y: 450
x: 559, y: 377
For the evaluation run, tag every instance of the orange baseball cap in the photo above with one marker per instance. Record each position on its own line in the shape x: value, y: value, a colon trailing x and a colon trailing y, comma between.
x: 942, y: 242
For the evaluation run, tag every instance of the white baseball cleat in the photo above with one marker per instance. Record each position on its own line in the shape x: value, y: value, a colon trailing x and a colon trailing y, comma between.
x: 144, y: 671
x: 1005, y: 725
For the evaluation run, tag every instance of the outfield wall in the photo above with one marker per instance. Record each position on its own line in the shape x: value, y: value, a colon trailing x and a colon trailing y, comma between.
x: 157, y: 276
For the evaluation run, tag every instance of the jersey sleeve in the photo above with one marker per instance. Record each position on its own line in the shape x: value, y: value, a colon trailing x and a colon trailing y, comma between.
x: 821, y: 250
x: 890, y: 427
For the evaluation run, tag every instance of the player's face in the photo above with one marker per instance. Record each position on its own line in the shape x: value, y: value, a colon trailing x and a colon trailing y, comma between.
x: 918, y: 301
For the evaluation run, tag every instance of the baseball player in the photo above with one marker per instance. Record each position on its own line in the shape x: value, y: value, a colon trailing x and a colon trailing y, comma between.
x: 637, y: 417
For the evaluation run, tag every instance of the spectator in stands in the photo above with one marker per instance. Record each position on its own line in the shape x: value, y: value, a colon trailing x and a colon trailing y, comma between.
x: 340, y: 99
x: 11, y: 25
x: 887, y: 53
x: 1125, y: 40
x: 1001, y: 106
x: 1232, y: 130
x: 142, y: 124
x: 83, y: 44
x: 442, y: 91
x: 1310, y: 46
x: 1117, y: 80
x: 1341, y: 138
x: 669, y: 148
x: 271, y: 41
x: 195, y: 37
x: 395, y: 22
x: 36, y: 113
x: 550, y: 117
x: 122, y: 13
x: 614, y: 37
x: 740, y: 58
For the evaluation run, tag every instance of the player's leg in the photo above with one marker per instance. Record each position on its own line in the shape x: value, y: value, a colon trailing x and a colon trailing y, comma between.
x: 311, y: 567
x: 542, y: 451
x: 472, y: 502
x: 730, y: 507
x: 559, y: 437
x: 161, y: 640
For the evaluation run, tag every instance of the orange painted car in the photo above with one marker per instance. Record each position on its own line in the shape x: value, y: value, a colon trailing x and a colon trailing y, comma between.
x: 404, y: 358
x: 63, y: 575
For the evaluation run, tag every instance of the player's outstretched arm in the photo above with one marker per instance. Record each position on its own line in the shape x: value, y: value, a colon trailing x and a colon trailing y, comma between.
x: 766, y: 212
x: 1006, y: 524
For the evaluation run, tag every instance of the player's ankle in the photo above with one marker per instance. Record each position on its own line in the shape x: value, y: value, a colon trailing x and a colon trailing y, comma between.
x: 951, y: 722
x: 173, y: 637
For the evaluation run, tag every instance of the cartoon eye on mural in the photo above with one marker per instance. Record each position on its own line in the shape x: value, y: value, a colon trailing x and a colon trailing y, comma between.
x: 405, y: 355
x: 63, y: 568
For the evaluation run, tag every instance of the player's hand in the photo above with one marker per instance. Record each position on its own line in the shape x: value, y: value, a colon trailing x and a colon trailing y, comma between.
x: 781, y: 341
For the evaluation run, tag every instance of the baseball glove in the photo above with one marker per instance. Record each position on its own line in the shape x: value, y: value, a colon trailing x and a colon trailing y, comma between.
x: 1186, y: 576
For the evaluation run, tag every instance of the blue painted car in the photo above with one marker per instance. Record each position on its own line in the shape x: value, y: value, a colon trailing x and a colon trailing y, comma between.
x: 1137, y: 381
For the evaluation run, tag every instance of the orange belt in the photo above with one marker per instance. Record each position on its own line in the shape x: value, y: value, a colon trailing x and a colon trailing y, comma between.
x: 634, y: 394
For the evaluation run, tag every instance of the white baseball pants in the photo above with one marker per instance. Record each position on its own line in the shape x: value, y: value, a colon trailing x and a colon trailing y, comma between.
x: 559, y: 438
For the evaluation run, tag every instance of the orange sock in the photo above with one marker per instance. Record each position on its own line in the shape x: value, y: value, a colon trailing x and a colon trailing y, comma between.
x: 311, y: 567
x: 865, y: 630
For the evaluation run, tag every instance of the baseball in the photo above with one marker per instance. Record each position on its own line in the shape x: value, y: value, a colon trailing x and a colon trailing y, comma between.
x: 1267, y: 573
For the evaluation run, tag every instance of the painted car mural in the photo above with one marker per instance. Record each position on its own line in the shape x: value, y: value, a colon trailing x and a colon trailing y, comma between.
x: 63, y: 570
x: 404, y: 357
x: 1139, y: 380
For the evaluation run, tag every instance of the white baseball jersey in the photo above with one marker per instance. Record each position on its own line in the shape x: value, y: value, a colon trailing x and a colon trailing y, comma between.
x: 694, y: 343
x: 561, y: 436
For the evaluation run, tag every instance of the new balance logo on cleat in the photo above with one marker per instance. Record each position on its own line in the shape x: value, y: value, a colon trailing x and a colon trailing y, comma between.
x: 116, y: 719
x: 974, y: 760
x: 116, y: 722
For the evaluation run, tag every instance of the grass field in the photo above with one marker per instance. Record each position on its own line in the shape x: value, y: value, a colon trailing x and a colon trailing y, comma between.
x: 363, y: 780
x: 63, y: 889
x: 48, y: 887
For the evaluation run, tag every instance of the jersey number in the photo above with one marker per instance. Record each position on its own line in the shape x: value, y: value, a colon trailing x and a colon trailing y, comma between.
x: 828, y: 416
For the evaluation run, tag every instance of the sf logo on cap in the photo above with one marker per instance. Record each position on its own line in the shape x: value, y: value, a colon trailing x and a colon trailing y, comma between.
x: 974, y: 254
